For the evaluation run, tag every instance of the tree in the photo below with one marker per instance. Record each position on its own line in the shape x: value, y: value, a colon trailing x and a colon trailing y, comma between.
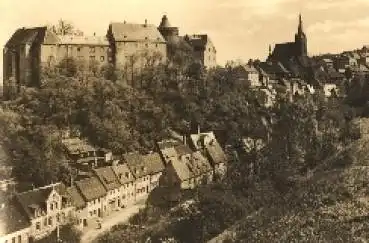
x: 65, y: 27
x: 68, y: 67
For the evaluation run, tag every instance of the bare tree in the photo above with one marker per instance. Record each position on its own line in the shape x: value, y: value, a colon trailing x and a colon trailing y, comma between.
x: 65, y: 27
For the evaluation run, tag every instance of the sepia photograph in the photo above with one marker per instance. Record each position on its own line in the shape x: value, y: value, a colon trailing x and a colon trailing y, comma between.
x: 208, y: 121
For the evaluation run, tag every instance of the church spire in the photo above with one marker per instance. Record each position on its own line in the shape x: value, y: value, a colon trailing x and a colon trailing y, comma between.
x: 300, y: 28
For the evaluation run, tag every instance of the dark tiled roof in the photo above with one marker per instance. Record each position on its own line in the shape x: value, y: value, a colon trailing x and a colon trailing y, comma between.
x: 30, y: 35
x: 76, y: 197
x: 37, y: 197
x: 12, y: 218
x: 123, y: 173
x: 273, y: 69
x: 284, y: 51
x: 136, y: 164
x: 198, y: 164
x: 107, y: 177
x: 154, y: 163
x: 135, y: 32
x: 165, y: 22
x: 91, y: 188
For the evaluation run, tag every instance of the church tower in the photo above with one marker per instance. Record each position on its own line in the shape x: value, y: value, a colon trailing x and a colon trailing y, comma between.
x: 300, y: 40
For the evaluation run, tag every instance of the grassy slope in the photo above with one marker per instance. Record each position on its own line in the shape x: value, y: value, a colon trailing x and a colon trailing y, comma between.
x: 330, y: 206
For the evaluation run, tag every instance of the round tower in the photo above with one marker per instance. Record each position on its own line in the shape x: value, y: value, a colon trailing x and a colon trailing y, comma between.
x: 166, y: 29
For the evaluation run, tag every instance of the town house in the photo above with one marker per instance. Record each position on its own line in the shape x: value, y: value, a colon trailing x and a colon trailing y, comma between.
x: 127, y: 182
x: 155, y: 166
x: 46, y: 208
x: 94, y: 195
x: 81, y: 211
x: 140, y: 171
x: 111, y: 183
x: 248, y: 74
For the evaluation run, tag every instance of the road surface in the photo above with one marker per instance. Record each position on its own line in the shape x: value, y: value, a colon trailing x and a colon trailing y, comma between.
x: 90, y: 234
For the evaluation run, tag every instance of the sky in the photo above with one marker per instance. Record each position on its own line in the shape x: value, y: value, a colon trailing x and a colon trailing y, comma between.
x: 240, y: 29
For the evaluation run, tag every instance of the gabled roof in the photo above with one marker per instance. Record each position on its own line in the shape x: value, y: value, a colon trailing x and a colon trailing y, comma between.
x: 135, y: 32
x: 154, y: 163
x: 37, y: 198
x: 136, y: 164
x: 123, y: 173
x: 91, y: 188
x: 30, y: 35
x: 181, y: 169
x: 107, y: 177
x: 284, y: 51
x: 76, y: 197
x: 12, y: 218
x: 216, y: 152
x: 198, y: 164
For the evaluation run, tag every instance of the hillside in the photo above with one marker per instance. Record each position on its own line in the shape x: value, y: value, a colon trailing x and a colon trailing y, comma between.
x: 330, y: 206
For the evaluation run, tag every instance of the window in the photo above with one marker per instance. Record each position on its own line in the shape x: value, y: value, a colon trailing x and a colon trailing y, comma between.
x: 91, y: 213
x: 19, y: 238
x: 13, y: 240
x: 146, y: 45
x: 56, y: 205
x: 58, y: 218
x: 156, y: 45
x: 92, y: 58
x: 92, y: 49
x: 95, y: 211
x: 45, y: 221
x: 102, y: 58
x: 50, y: 221
x: 78, y: 48
x: 52, y: 206
x: 38, y: 226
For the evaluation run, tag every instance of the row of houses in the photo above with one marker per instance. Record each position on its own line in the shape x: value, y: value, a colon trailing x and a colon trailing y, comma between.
x: 34, y: 214
x: 127, y: 46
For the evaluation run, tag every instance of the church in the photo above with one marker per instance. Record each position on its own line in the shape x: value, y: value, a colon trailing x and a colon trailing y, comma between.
x: 293, y: 55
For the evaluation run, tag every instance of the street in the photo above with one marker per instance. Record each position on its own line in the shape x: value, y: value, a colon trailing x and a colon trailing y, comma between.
x: 89, y: 234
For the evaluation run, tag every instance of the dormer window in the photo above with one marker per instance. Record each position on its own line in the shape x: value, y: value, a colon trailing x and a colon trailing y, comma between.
x: 127, y: 174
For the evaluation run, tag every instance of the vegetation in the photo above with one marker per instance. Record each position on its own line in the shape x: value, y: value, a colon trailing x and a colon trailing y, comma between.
x: 300, y: 137
x: 67, y: 234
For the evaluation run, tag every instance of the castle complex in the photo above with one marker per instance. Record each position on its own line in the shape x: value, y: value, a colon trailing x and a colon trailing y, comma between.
x: 127, y: 46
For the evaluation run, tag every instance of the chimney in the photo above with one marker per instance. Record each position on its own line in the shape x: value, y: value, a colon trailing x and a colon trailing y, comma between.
x: 94, y: 33
x: 145, y: 22
x: 184, y: 139
x: 124, y: 22
x: 198, y: 129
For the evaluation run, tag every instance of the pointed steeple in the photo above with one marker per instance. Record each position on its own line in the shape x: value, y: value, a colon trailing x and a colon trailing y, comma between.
x: 270, y: 49
x: 300, y: 28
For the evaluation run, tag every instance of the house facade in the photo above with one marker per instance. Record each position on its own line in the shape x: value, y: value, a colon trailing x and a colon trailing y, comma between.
x: 46, y: 208
x: 127, y: 182
x: 112, y: 186
x: 94, y: 194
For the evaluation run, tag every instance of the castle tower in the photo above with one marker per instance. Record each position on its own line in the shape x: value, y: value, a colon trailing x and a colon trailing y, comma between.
x: 300, y: 40
x: 167, y: 30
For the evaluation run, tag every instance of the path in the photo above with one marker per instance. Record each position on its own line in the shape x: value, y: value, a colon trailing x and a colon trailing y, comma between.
x: 89, y: 234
